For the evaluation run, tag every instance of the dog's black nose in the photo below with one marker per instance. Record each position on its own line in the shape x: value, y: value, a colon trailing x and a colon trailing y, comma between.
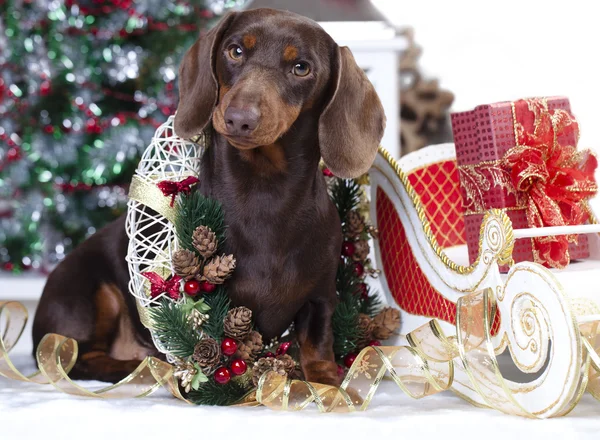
x: 241, y: 122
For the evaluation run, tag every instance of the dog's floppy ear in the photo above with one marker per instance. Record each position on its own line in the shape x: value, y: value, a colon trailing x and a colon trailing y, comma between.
x: 352, y: 123
x: 198, y: 87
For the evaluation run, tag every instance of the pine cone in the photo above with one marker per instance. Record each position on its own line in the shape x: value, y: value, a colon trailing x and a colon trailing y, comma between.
x: 361, y: 250
x: 250, y: 348
x: 365, y: 327
x: 217, y: 270
x: 185, y: 263
x: 207, y: 353
x: 267, y: 364
x: 238, y: 323
x: 386, y: 323
x: 205, y: 241
x: 288, y: 364
x: 355, y: 224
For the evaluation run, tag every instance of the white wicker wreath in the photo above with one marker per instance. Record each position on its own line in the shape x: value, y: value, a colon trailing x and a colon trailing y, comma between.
x: 168, y: 157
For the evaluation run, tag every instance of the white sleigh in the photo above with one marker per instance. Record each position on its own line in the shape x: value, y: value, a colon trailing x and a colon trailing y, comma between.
x: 546, y: 322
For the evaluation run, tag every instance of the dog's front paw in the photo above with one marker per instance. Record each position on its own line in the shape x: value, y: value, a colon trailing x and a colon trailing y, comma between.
x: 325, y: 372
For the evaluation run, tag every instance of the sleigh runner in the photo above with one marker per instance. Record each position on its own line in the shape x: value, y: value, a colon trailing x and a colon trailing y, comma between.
x: 541, y: 324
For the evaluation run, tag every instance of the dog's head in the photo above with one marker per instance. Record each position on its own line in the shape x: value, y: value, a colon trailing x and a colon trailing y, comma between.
x: 258, y: 70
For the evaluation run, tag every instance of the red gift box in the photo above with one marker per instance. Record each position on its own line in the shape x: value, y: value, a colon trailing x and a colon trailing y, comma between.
x: 486, y: 140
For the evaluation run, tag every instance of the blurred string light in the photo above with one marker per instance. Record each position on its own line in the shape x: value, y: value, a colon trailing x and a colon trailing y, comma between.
x: 83, y: 84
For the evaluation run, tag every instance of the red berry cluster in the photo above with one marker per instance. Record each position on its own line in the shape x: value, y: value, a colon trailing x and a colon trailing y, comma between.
x: 194, y: 287
x: 236, y: 367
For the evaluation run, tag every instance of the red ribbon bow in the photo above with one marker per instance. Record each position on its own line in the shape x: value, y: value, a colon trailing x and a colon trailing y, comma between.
x: 170, y: 188
x: 555, y: 179
x: 158, y: 285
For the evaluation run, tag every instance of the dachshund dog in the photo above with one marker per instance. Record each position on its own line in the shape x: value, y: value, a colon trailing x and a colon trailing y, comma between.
x: 276, y: 94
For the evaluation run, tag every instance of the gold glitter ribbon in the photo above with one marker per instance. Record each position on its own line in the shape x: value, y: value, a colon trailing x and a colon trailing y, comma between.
x: 57, y: 354
x: 150, y: 195
x: 424, y: 367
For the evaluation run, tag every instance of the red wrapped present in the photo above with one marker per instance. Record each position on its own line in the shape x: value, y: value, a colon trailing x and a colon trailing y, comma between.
x: 522, y: 157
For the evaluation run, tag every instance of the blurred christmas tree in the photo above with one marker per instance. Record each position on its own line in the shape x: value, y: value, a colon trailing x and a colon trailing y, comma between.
x: 83, y: 84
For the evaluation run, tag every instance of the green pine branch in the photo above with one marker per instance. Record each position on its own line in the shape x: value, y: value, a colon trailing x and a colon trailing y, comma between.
x: 371, y: 305
x: 345, y: 194
x: 195, y: 210
x: 215, y: 394
x: 170, y: 322
x: 219, y: 303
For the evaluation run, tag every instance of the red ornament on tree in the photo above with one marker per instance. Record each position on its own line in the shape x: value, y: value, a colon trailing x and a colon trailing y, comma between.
x: 207, y: 287
x: 191, y: 287
x: 45, y: 88
x: 359, y: 269
x: 228, y: 346
x: 13, y: 154
x: 238, y: 367
x: 48, y: 129
x: 349, y: 359
x: 222, y: 375
x: 91, y: 126
x: 348, y: 248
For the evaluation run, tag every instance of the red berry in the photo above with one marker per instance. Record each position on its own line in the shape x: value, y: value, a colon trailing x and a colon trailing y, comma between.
x: 269, y: 355
x: 283, y: 348
x: 238, y: 367
x: 49, y: 129
x: 207, y: 287
x: 349, y: 359
x: 222, y: 375
x: 327, y: 172
x: 364, y: 291
x: 359, y: 269
x: 341, y: 370
x: 348, y: 248
x: 191, y: 287
x: 228, y: 346
x: 374, y: 343
x: 9, y: 266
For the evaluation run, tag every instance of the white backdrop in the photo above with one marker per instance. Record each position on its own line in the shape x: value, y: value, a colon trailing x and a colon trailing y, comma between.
x: 486, y: 51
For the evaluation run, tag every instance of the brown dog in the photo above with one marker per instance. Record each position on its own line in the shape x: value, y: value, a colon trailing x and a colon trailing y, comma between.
x: 277, y: 94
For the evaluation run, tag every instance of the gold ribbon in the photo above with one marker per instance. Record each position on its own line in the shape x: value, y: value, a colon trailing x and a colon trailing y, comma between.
x: 148, y: 194
x: 424, y: 367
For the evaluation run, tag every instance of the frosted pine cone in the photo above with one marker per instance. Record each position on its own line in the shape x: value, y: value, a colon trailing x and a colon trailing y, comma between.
x: 205, y: 241
x: 250, y: 348
x: 267, y: 364
x: 185, y: 264
x: 238, y: 323
x: 366, y: 326
x: 217, y: 270
x: 386, y: 323
x: 361, y: 250
x: 355, y: 224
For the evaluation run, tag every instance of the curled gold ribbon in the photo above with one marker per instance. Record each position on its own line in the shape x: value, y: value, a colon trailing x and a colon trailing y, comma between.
x: 57, y: 354
x: 427, y: 365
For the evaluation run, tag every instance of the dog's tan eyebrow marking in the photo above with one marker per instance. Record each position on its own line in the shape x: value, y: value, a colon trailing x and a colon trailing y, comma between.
x: 249, y: 41
x: 290, y: 53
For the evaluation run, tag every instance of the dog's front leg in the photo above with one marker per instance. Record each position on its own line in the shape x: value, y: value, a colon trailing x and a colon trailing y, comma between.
x: 315, y: 337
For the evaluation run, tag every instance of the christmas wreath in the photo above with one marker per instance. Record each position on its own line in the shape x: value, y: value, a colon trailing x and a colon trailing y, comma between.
x: 218, y: 353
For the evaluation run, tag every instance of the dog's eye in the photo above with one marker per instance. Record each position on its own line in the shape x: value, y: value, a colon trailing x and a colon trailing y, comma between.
x: 301, y: 69
x: 235, y: 52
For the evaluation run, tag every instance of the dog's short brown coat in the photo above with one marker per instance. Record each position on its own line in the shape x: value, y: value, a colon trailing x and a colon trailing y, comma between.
x: 282, y: 226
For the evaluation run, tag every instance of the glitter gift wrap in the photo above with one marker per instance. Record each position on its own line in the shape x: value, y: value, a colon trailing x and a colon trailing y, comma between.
x: 483, y: 137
